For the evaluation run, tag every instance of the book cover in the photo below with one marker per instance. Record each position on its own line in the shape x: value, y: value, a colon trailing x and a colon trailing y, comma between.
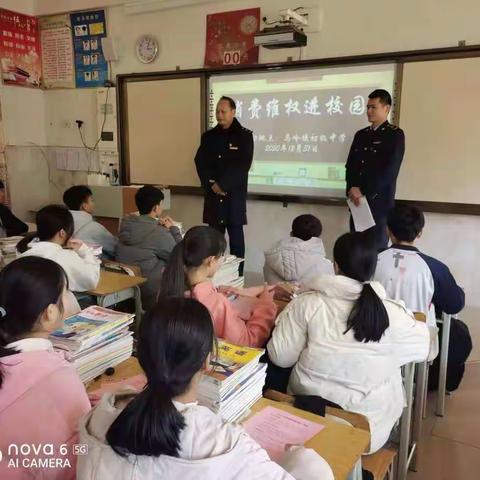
x: 89, y: 322
x: 230, y: 360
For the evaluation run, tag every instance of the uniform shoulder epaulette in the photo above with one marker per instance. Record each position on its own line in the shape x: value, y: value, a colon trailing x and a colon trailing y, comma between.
x: 246, y: 130
x: 366, y: 129
x: 392, y: 127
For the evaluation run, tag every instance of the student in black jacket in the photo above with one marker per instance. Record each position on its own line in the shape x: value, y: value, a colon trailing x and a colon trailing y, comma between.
x: 9, y: 223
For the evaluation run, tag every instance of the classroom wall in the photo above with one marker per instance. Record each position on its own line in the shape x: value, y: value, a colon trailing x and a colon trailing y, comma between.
x: 348, y: 29
x: 22, y: 6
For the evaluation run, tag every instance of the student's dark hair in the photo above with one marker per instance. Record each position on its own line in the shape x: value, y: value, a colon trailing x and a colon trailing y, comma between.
x: 75, y: 196
x: 22, y: 245
x: 2, y: 185
x: 51, y: 219
x: 28, y: 286
x: 175, y: 338
x: 230, y: 101
x: 306, y: 227
x: 198, y: 244
x: 383, y: 96
x: 147, y: 197
x: 405, y: 222
x: 356, y: 257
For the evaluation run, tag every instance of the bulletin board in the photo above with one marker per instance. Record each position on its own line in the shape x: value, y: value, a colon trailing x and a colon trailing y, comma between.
x: 164, y: 123
x: 439, y: 114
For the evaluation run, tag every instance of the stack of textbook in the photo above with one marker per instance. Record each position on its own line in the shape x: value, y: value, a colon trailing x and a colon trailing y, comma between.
x: 228, y: 273
x: 8, y: 249
x: 234, y: 381
x: 95, y: 339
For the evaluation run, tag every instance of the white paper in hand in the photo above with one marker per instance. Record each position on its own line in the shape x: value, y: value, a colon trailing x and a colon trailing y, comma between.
x: 361, y: 215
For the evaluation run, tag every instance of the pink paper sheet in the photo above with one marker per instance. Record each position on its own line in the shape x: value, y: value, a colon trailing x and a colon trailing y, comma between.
x: 276, y: 429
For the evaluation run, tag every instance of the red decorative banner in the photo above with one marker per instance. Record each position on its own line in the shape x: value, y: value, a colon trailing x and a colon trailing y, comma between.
x: 20, y: 51
x: 230, y: 38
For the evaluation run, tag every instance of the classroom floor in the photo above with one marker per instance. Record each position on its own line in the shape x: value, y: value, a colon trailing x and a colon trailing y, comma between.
x: 450, y: 448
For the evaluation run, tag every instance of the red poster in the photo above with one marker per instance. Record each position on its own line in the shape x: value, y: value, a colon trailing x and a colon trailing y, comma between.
x: 230, y: 38
x: 20, y: 49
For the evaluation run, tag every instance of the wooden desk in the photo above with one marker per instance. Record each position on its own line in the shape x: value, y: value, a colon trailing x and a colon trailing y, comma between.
x: 340, y: 445
x: 117, y: 287
x: 128, y: 368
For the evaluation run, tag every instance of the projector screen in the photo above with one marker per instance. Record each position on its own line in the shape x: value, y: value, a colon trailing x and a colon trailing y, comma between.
x: 303, y: 122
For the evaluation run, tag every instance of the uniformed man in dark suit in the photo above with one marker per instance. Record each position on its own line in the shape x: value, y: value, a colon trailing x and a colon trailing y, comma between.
x: 374, y: 162
x: 223, y: 161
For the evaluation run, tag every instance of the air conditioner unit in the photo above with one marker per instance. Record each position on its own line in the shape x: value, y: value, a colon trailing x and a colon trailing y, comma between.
x: 285, y: 36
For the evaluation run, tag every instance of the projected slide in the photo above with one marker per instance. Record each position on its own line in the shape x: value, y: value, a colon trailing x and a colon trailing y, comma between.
x: 303, y: 123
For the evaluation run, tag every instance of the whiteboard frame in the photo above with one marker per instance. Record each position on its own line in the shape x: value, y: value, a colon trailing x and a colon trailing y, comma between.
x: 390, y: 57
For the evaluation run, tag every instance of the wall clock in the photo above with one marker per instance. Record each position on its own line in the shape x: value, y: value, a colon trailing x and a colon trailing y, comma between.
x: 146, y: 48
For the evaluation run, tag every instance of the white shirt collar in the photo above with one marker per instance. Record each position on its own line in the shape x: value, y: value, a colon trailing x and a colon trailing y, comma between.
x: 31, y: 345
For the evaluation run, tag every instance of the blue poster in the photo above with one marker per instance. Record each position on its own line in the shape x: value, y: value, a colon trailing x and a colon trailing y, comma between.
x: 91, y: 68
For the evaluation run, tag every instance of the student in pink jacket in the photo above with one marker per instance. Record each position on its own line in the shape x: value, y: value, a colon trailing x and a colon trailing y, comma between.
x: 192, y: 264
x: 41, y: 395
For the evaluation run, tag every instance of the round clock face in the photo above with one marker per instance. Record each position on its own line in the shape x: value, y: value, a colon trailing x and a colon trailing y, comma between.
x: 146, y: 48
x: 249, y: 24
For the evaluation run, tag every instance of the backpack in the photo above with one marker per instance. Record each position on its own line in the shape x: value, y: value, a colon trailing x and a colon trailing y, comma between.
x: 458, y: 351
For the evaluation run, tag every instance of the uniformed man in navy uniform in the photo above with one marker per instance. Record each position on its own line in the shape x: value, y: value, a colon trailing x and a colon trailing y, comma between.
x: 374, y: 162
x: 223, y: 161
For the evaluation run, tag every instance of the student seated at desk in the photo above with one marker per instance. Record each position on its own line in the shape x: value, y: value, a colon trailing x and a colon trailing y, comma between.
x: 347, y: 342
x: 299, y: 257
x: 10, y: 225
x: 161, y: 431
x: 79, y: 200
x: 421, y: 282
x: 41, y: 395
x: 54, y: 241
x: 190, y: 269
x: 147, y: 240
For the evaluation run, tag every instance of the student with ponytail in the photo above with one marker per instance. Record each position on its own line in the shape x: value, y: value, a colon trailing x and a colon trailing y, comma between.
x: 41, y: 395
x: 161, y: 432
x: 189, y: 270
x: 347, y: 342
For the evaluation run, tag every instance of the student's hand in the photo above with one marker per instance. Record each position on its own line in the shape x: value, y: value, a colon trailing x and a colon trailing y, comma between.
x: 167, y: 222
x: 227, y: 290
x: 266, y: 291
x: 355, y: 195
x: 217, y: 189
x: 74, y: 244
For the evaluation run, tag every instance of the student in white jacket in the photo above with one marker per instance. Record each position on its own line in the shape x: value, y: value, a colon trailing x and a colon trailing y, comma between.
x: 53, y: 241
x: 79, y: 199
x: 299, y: 257
x: 162, y: 432
x: 347, y: 342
